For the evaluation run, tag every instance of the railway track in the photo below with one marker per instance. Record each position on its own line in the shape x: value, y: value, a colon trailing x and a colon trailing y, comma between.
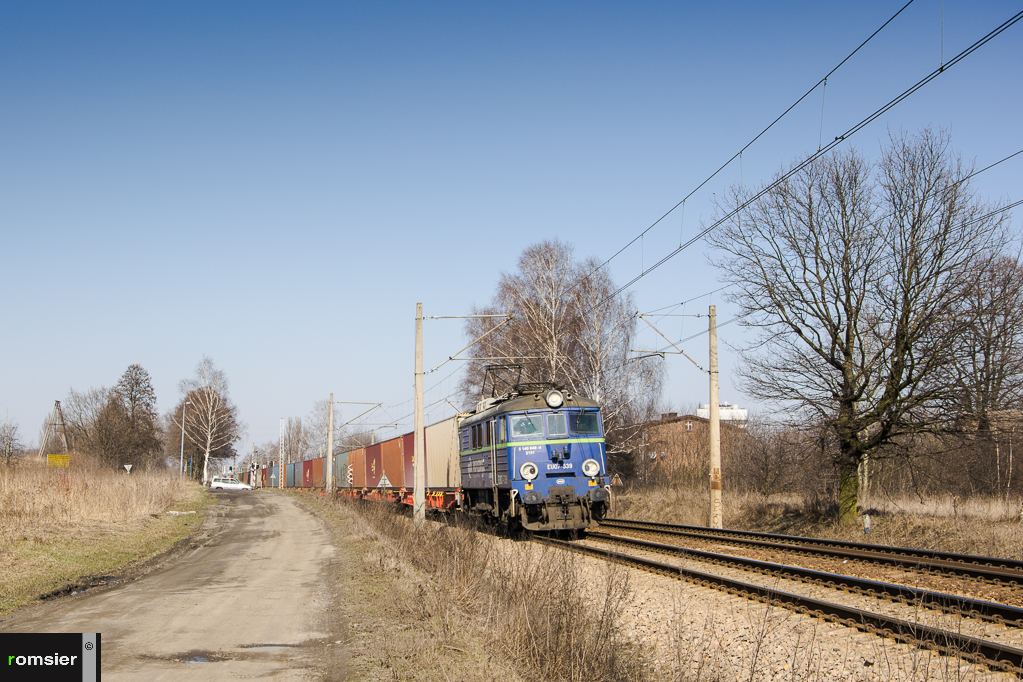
x: 1006, y: 572
x: 976, y: 650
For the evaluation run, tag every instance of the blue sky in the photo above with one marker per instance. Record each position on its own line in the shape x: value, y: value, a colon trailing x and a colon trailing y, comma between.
x: 276, y: 185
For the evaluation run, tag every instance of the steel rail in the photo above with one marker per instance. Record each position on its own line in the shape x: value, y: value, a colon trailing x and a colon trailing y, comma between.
x: 991, y: 654
x: 1011, y: 616
x: 1008, y: 571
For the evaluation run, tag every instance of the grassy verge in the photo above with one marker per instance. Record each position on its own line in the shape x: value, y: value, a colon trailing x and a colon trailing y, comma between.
x: 474, y: 608
x: 62, y: 530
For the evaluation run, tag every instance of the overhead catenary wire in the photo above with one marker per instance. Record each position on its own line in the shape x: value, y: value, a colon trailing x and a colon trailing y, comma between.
x: 813, y: 157
x: 752, y: 141
x: 694, y: 298
x: 672, y: 306
x: 977, y: 219
x: 673, y: 345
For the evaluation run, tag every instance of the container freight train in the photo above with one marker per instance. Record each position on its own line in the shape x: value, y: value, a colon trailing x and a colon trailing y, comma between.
x: 533, y: 458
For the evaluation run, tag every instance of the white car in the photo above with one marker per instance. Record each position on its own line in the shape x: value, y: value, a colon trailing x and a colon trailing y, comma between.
x: 228, y: 484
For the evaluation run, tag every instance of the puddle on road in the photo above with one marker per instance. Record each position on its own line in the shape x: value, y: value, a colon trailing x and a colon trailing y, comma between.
x: 78, y: 588
x: 252, y: 652
x: 194, y: 656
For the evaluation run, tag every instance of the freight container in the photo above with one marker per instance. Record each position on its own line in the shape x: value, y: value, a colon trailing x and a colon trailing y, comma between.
x: 357, y: 463
x: 408, y: 450
x: 275, y: 477
x: 307, y: 474
x: 289, y: 476
x: 394, y: 469
x: 374, y: 466
x: 318, y: 472
x: 442, y: 464
x: 265, y: 477
x: 341, y: 470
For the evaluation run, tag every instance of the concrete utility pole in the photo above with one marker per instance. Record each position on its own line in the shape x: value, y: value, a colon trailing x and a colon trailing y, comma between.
x: 715, y: 426
x: 181, y: 461
x: 419, y: 468
x: 330, y: 445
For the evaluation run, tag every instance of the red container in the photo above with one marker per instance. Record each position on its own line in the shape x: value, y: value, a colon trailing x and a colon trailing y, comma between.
x: 394, y: 469
x: 266, y: 477
x: 318, y: 473
x: 374, y: 465
x: 408, y: 450
x: 357, y: 462
x: 307, y: 474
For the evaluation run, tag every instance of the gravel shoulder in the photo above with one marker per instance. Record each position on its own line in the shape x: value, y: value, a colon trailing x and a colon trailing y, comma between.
x: 698, y: 633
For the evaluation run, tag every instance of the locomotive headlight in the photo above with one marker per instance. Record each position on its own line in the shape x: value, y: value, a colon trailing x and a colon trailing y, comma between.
x: 591, y: 468
x: 529, y: 471
x: 554, y: 399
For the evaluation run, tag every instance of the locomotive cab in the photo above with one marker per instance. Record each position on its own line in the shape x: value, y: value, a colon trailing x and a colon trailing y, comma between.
x: 535, y: 459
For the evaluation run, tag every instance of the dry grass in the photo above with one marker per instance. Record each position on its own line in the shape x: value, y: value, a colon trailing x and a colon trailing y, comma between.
x: 61, y: 527
x: 682, y: 505
x: 532, y: 605
x: 34, y: 495
x: 475, y: 608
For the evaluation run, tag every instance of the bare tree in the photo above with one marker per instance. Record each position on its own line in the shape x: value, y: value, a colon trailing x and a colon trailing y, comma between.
x: 316, y: 427
x: 855, y: 276
x: 98, y: 425
x: 296, y: 441
x: 10, y: 444
x: 987, y: 372
x: 81, y: 415
x: 116, y: 425
x: 211, y: 422
x: 136, y: 394
x: 541, y: 335
x: 566, y: 329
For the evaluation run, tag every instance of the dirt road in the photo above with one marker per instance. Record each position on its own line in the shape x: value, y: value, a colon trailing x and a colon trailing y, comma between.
x: 249, y: 599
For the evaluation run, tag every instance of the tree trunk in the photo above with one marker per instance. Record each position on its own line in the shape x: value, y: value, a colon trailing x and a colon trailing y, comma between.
x: 206, y: 467
x: 848, y: 490
x: 864, y: 472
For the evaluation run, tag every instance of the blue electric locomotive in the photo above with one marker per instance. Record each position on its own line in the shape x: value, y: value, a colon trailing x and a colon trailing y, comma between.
x: 535, y: 458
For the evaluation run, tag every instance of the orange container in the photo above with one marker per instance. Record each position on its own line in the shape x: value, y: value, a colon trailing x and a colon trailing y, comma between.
x: 357, y: 462
x: 374, y: 465
x: 393, y: 467
x: 318, y: 479
x: 408, y: 449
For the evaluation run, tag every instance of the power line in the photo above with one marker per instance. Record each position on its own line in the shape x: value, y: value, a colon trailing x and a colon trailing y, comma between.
x: 695, y: 298
x: 977, y: 219
x: 738, y: 154
x: 820, y: 152
x: 974, y: 174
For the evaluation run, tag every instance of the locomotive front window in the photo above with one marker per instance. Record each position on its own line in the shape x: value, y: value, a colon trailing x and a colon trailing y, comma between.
x: 524, y: 426
x: 557, y: 426
x: 585, y: 423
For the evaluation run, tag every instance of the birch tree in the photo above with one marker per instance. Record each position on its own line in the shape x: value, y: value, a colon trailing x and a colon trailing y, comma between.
x: 211, y: 421
x: 10, y: 443
x: 564, y: 330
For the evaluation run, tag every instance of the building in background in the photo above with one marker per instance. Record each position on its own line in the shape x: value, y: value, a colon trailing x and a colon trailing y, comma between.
x: 727, y: 412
